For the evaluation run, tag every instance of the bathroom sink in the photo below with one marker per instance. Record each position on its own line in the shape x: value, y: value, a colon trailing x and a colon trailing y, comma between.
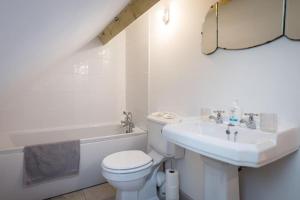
x: 250, y: 148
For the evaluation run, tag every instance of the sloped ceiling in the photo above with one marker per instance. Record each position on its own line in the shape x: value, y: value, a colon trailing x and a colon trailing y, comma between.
x: 37, y: 33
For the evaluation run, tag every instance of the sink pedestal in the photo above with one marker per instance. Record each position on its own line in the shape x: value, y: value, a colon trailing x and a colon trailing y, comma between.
x: 221, y: 180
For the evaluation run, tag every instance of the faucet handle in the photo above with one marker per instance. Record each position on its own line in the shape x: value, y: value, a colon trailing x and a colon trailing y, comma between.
x: 219, y: 112
x: 250, y: 123
x: 251, y: 116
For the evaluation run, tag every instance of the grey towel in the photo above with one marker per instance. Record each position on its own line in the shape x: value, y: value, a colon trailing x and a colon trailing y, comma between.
x: 50, y: 161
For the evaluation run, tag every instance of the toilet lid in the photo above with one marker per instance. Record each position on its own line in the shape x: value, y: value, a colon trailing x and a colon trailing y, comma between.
x: 125, y: 160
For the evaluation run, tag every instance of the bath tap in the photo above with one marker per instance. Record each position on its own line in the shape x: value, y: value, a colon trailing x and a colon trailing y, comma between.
x: 250, y: 123
x: 219, y: 118
x: 127, y: 123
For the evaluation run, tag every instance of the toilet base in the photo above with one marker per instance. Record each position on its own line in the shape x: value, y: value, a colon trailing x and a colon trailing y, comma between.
x: 134, y: 195
x: 148, y: 192
x: 130, y: 195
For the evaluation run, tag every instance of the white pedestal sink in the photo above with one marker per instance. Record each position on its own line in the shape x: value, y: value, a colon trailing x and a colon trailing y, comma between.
x: 223, y: 154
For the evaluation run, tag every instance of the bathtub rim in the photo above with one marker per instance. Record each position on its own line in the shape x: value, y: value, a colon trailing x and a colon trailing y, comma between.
x: 137, y: 131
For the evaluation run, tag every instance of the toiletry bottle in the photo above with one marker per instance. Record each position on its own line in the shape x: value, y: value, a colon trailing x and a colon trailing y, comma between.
x: 235, y: 113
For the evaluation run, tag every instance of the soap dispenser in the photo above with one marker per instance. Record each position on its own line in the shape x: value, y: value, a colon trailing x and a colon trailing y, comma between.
x: 235, y: 113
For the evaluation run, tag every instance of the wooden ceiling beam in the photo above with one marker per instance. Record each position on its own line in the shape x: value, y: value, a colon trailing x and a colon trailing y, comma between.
x: 129, y: 14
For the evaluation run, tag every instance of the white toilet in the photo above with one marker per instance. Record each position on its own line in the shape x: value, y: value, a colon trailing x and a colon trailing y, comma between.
x: 134, y: 173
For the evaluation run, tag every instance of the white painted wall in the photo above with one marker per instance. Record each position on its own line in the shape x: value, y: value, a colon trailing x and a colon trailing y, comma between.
x: 137, y: 70
x: 85, y: 88
x: 264, y: 79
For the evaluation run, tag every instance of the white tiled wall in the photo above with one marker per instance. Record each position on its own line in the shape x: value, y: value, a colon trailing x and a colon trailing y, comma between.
x: 137, y: 70
x: 36, y: 33
x: 86, y: 88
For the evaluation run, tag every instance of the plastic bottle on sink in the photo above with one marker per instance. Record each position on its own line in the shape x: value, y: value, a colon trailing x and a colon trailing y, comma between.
x: 235, y: 113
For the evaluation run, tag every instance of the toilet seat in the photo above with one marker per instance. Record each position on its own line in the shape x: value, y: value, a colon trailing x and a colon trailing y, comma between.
x: 127, y: 171
x: 130, y: 176
x: 127, y: 165
x: 127, y: 161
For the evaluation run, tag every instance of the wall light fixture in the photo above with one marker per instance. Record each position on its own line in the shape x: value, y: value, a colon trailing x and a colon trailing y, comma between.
x: 166, y: 15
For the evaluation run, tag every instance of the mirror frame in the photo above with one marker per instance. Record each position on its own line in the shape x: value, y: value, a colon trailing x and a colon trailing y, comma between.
x: 297, y: 38
x: 212, y: 10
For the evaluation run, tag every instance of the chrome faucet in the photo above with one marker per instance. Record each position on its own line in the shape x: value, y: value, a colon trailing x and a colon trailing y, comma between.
x: 127, y: 123
x: 219, y: 117
x: 250, y: 123
x: 228, y: 132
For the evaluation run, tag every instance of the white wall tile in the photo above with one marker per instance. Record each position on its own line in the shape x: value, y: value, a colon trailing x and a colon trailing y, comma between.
x: 87, y: 87
x: 137, y: 70
x: 35, y: 34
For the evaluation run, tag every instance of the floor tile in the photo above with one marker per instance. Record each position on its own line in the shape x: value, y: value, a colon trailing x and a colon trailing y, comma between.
x: 72, y: 196
x: 101, y: 192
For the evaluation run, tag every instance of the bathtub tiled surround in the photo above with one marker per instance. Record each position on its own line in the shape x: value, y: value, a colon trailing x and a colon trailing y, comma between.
x: 86, y: 88
x: 55, y: 31
x: 137, y: 70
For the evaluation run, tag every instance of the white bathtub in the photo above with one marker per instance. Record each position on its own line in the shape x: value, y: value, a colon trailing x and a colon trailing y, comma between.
x: 96, y: 143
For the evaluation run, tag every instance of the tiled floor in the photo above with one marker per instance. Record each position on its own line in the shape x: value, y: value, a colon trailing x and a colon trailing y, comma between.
x: 100, y: 192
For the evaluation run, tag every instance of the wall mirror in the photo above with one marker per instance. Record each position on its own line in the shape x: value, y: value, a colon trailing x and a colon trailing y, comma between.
x: 244, y: 24
x: 209, y: 31
x: 292, y: 28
